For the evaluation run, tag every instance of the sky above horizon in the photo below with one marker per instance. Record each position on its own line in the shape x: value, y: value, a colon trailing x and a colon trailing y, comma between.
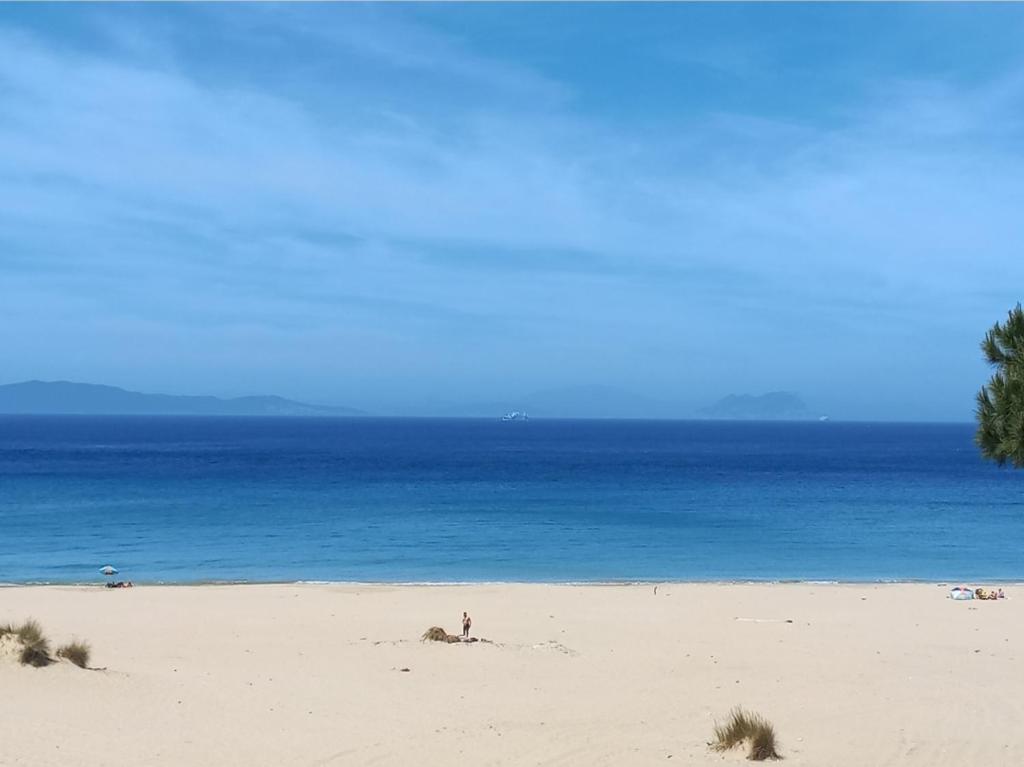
x: 396, y: 207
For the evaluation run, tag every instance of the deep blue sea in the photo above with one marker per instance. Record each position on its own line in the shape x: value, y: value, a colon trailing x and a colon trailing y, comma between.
x: 280, y: 499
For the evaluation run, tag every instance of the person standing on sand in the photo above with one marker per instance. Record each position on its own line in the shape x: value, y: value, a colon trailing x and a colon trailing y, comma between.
x: 467, y: 622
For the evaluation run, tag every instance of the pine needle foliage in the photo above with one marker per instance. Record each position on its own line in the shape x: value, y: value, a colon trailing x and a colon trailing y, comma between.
x: 1000, y: 404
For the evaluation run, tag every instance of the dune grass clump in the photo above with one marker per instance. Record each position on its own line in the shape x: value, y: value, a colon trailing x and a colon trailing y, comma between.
x: 744, y: 727
x: 435, y: 634
x: 733, y: 732
x: 29, y: 632
x: 76, y: 652
x: 35, y: 648
x: 762, y: 742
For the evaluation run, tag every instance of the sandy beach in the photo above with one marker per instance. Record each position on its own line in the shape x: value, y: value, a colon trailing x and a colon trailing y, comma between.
x: 576, y: 675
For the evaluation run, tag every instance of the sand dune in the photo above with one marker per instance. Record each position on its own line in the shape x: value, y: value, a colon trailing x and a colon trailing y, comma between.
x: 577, y: 675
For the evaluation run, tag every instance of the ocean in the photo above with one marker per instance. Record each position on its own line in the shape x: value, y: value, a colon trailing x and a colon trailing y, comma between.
x: 175, y: 499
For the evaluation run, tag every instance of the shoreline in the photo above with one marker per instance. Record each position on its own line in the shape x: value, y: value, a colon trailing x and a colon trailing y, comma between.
x: 1017, y: 581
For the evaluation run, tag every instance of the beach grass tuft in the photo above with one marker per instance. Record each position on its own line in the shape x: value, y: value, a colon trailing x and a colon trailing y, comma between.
x: 762, y: 742
x: 746, y: 727
x: 35, y: 648
x: 733, y: 731
x: 77, y: 652
x: 435, y: 634
x: 29, y: 632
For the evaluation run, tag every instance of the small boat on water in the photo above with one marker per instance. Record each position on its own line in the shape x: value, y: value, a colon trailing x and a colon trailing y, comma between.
x: 515, y: 415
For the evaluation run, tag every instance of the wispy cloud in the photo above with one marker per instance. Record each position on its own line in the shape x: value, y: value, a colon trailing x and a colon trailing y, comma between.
x: 333, y: 203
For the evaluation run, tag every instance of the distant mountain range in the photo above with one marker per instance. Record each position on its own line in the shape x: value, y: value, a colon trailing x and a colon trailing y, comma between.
x: 776, y: 405
x: 67, y: 398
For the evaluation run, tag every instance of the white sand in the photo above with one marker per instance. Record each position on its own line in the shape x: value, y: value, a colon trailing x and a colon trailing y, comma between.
x: 579, y: 675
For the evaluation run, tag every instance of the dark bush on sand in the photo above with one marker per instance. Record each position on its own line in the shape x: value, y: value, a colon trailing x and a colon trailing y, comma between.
x: 438, y: 634
x: 752, y: 729
x: 435, y: 634
x: 76, y: 652
x: 35, y: 649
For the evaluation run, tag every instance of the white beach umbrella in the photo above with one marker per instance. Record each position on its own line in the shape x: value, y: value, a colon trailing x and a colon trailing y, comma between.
x: 108, y: 570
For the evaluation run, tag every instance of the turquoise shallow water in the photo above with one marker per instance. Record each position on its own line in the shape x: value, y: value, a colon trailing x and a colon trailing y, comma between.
x: 195, y: 499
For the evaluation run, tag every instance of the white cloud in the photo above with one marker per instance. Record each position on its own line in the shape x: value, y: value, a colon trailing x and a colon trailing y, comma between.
x: 162, y: 197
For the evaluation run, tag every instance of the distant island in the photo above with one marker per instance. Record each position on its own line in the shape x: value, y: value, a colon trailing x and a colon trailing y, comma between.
x: 776, y: 405
x: 68, y: 398
x: 71, y: 398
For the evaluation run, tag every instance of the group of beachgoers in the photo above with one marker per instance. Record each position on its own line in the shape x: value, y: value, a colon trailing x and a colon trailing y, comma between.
x: 966, y: 592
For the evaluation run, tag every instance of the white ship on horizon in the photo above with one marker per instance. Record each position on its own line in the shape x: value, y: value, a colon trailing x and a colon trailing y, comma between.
x: 515, y: 415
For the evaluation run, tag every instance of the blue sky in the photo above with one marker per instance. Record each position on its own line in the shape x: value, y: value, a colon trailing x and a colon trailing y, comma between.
x: 390, y: 207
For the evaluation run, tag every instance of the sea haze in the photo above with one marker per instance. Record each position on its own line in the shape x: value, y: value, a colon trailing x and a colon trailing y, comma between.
x: 364, y: 499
